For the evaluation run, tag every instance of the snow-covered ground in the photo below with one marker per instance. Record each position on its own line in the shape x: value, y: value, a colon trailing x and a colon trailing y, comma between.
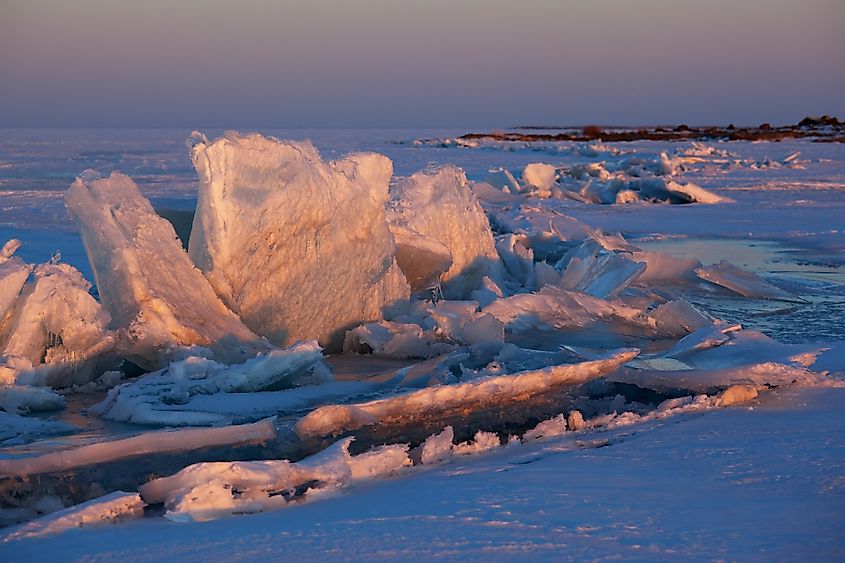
x: 639, y: 354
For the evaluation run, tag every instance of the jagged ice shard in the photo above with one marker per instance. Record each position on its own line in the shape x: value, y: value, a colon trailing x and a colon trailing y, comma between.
x: 440, y: 205
x: 296, y: 246
x: 158, y: 301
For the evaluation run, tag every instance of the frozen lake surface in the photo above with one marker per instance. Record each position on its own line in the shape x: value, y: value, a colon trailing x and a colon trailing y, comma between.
x: 762, y: 480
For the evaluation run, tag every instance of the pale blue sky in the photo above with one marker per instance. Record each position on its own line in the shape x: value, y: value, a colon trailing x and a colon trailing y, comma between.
x: 437, y: 63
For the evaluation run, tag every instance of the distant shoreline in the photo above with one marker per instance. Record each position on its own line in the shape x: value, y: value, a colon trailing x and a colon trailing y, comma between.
x: 825, y: 129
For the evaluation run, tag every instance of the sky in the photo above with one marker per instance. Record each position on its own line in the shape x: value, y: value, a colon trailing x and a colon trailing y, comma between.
x: 433, y: 63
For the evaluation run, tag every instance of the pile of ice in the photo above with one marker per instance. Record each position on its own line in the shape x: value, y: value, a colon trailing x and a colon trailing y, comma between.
x: 162, y: 308
x: 164, y: 397
x: 299, y: 248
x: 53, y: 333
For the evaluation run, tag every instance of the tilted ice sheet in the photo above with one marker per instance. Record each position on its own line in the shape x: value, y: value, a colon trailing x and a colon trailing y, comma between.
x: 296, y: 246
x: 158, y: 300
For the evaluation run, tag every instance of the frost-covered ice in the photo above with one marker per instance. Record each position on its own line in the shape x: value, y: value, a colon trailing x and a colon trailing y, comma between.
x: 742, y: 282
x: 209, y: 490
x: 296, y: 246
x: 440, y: 205
x: 335, y: 419
x: 159, y: 302
x: 163, y: 397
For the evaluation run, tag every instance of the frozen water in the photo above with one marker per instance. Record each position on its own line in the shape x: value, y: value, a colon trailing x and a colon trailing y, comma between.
x: 296, y: 246
x: 54, y: 332
x: 440, y: 205
x: 209, y: 490
x: 163, y: 397
x: 159, y: 302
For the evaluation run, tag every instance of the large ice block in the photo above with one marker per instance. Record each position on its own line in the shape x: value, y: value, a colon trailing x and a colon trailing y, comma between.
x: 298, y: 247
x: 440, y: 204
x: 158, y: 301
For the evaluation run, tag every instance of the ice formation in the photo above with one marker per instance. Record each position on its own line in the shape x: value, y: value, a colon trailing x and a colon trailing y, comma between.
x: 109, y: 509
x: 541, y: 177
x: 162, y: 398
x: 742, y: 282
x: 52, y: 331
x: 159, y: 302
x: 206, y: 491
x: 296, y: 246
x: 440, y: 205
x: 485, y: 391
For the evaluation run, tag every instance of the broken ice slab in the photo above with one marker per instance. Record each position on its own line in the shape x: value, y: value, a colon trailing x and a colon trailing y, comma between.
x: 395, y: 340
x: 440, y: 205
x: 13, y: 275
x: 55, y: 333
x: 556, y: 308
x: 713, y: 380
x: 743, y: 282
x: 163, y: 397
x: 702, y: 339
x: 422, y: 259
x: 434, y: 407
x: 205, y: 491
x: 296, y: 246
x: 158, y: 301
x: 600, y: 273
x: 499, y: 403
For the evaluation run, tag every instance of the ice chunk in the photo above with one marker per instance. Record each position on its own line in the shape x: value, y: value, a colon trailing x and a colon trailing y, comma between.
x: 541, y: 177
x: 441, y: 205
x: 156, y: 297
x: 437, y: 447
x: 56, y: 330
x: 475, y: 395
x: 711, y: 380
x: 422, y: 259
x: 695, y: 193
x: 205, y: 491
x: 679, y: 318
x: 395, y: 340
x: 13, y: 275
x: 552, y: 307
x: 161, y: 397
x: 702, y: 339
x: 460, y: 321
x: 665, y: 268
x: 602, y: 274
x: 547, y: 429
x: 298, y: 247
x: 144, y: 445
x: 502, y: 179
x: 109, y: 509
x: 742, y: 282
